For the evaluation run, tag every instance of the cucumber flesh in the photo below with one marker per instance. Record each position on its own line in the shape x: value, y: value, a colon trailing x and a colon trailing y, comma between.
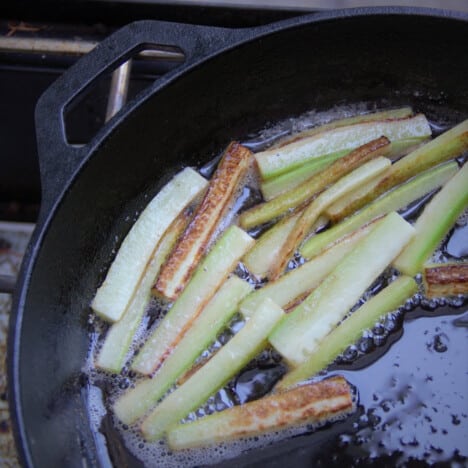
x: 139, y: 400
x: 396, y: 199
x: 350, y: 330
x: 260, y: 259
x: 305, y: 278
x: 119, y: 336
x: 115, y: 293
x: 446, y: 146
x: 438, y: 217
x: 224, y: 364
x: 261, y: 256
x: 275, y: 186
x: 208, y: 277
x: 310, y: 188
x: 311, y: 403
x: 279, y: 160
x: 192, y: 245
x: 311, y: 213
x: 299, y: 334
x: 390, y: 114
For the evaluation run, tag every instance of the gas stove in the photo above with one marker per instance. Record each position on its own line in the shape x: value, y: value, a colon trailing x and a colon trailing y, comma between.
x: 38, y: 44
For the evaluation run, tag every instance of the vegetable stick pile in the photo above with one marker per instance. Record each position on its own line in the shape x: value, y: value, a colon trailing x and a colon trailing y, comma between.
x: 331, y: 195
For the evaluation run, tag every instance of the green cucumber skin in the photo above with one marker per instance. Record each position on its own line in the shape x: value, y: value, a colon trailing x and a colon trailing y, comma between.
x: 303, y: 279
x: 224, y: 364
x: 259, y: 258
x: 280, y: 205
x: 273, y: 187
x: 391, y: 114
x: 446, y: 146
x: 436, y: 220
x: 340, y: 208
x: 309, y: 189
x: 275, y: 162
x: 298, y: 335
x: 309, y: 216
x: 396, y: 199
x: 119, y: 336
x: 114, y: 295
x: 345, y: 334
x: 349, y: 182
x: 138, y: 401
x: 209, y: 275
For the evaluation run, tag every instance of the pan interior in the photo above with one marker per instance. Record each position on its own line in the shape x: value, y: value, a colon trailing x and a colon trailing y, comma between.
x: 372, y: 61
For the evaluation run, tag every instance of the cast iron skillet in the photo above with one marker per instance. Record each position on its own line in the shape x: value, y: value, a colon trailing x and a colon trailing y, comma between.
x: 233, y: 82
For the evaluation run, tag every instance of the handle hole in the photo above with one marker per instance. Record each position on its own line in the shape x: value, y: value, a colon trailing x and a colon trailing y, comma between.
x: 88, y: 112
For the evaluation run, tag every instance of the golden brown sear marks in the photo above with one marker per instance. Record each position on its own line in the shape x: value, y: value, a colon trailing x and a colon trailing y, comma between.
x: 310, y: 403
x: 193, y: 243
x: 447, y: 279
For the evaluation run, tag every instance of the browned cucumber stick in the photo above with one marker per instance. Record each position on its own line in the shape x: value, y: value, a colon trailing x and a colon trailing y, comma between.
x: 395, y: 199
x: 304, y: 224
x: 312, y: 403
x: 447, y: 146
x: 449, y: 279
x: 306, y: 191
x: 180, y: 265
x: 207, y: 380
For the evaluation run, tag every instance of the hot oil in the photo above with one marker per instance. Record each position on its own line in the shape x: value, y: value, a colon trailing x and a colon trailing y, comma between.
x: 409, y: 371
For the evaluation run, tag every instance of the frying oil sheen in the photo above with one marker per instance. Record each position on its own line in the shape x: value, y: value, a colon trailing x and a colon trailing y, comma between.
x: 410, y: 371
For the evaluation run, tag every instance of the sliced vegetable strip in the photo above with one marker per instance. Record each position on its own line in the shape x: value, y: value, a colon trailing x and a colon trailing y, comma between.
x: 119, y: 336
x: 396, y: 199
x: 303, y: 279
x: 261, y: 257
x: 222, y: 188
x: 210, y: 274
x: 275, y: 186
x: 296, y: 337
x: 276, y: 161
x: 348, y: 331
x: 448, y: 279
x: 139, y: 400
x: 390, y: 114
x: 224, y: 364
x: 311, y: 403
x: 267, y: 211
x: 309, y: 216
x: 447, y: 146
x: 438, y: 217
x: 114, y: 295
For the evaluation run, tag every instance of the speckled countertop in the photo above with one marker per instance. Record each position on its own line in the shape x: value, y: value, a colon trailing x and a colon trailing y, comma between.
x: 14, y: 238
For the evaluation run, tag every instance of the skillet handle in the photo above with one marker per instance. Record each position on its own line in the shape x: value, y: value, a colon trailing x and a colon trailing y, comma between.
x: 58, y: 159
